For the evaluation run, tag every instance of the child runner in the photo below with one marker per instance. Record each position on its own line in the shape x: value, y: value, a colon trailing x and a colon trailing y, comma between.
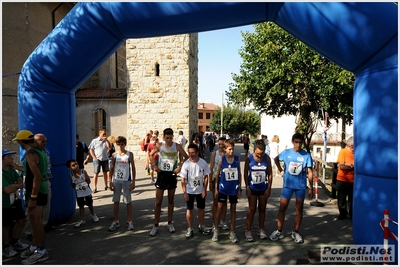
x: 258, y: 180
x: 229, y: 186
x: 214, y: 159
x: 80, y: 182
x: 167, y: 168
x: 297, y: 169
x: 123, y: 175
x: 194, y: 179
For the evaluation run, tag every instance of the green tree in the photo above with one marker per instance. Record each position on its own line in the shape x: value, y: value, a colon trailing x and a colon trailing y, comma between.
x: 280, y: 76
x: 236, y: 121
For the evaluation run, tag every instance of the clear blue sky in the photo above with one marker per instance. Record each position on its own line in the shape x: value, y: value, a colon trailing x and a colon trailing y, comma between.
x: 218, y: 59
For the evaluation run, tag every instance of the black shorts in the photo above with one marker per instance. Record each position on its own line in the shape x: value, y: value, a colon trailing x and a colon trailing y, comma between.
x: 224, y: 198
x: 201, y: 202
x: 246, y: 146
x: 41, y: 199
x: 257, y: 193
x: 166, y: 180
x: 82, y: 201
x: 12, y: 214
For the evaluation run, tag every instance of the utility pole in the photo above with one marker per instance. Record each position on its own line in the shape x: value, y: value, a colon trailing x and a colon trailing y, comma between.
x: 222, y: 114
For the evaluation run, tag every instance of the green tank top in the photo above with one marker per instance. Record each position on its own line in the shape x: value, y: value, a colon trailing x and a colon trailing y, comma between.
x: 43, y: 170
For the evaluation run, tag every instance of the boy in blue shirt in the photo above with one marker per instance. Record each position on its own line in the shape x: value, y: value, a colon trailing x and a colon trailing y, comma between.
x: 297, y: 169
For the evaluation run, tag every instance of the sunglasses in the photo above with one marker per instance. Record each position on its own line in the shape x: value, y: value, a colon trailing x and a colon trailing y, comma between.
x: 73, y: 165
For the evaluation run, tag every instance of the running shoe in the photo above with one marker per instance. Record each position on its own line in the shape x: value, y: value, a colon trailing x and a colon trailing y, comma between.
x: 215, y: 236
x: 27, y: 253
x: 20, y: 246
x: 9, y: 252
x: 80, y: 223
x: 276, y: 235
x: 189, y: 233
x: 261, y: 233
x: 36, y: 257
x: 233, y: 238
x: 171, y: 228
x: 297, y: 237
x: 203, y: 230
x: 95, y: 218
x: 154, y: 231
x: 223, y: 225
x: 114, y: 226
x: 129, y: 226
x: 249, y: 236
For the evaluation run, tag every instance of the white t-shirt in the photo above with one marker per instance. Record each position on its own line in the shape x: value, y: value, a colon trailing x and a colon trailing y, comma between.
x: 194, y: 173
x: 274, y: 146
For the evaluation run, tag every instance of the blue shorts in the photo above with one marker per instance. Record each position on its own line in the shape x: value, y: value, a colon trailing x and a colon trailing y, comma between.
x: 103, y: 163
x: 288, y: 193
x: 201, y: 202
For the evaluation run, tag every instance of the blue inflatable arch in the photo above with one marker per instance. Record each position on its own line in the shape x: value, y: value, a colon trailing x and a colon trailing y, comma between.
x: 360, y: 37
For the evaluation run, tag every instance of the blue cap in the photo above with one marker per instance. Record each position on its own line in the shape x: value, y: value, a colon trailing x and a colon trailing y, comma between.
x: 8, y: 152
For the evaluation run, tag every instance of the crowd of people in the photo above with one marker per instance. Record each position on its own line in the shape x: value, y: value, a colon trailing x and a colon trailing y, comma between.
x: 167, y: 163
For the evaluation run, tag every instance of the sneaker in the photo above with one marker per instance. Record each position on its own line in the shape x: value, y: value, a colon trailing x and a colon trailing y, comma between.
x: 171, y: 228
x: 276, y: 235
x: 297, y: 237
x: 129, y: 226
x: 154, y: 231
x: 249, y: 236
x: 203, y: 230
x: 261, y: 233
x: 95, y: 218
x: 36, y: 257
x: 27, y: 253
x: 20, y: 246
x: 233, y: 238
x: 9, y: 252
x: 80, y: 223
x: 189, y: 233
x: 223, y: 225
x: 113, y: 226
x: 215, y: 236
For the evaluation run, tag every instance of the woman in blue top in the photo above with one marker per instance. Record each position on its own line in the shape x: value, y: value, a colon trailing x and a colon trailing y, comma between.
x: 258, y: 180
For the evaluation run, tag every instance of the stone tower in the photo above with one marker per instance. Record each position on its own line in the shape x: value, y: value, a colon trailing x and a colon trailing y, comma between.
x: 162, y: 87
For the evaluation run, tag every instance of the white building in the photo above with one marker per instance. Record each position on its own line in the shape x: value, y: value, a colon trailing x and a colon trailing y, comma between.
x: 284, y: 128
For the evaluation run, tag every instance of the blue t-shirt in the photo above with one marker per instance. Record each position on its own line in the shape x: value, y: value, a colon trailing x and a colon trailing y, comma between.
x: 258, y: 173
x: 230, y: 177
x: 295, y: 165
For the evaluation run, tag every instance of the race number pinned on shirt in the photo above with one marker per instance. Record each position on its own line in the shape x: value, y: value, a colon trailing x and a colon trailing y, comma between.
x: 231, y: 174
x: 195, y: 182
x: 121, y: 175
x: 81, y: 186
x: 257, y: 177
x: 167, y: 164
x: 295, y: 168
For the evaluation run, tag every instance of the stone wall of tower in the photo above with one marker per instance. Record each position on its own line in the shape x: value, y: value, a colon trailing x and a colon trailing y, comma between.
x: 162, y: 87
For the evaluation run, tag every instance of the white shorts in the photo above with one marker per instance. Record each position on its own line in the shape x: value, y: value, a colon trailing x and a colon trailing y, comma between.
x: 124, y: 188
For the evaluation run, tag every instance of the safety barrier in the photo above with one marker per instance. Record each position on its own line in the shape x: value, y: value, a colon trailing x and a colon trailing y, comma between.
x: 386, y: 231
x: 316, y: 203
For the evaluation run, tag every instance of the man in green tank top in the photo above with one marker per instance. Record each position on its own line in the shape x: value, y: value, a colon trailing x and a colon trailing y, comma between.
x: 35, y: 167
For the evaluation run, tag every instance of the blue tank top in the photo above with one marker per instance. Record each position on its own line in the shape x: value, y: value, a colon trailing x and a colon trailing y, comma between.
x: 258, y: 173
x: 230, y: 177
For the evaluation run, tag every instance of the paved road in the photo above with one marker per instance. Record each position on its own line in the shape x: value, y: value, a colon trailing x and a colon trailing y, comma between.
x: 94, y: 244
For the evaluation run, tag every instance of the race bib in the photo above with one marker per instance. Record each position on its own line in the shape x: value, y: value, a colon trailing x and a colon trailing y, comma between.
x: 231, y: 174
x: 295, y: 168
x: 258, y: 177
x: 120, y: 175
x: 81, y: 186
x: 195, y: 182
x: 167, y: 165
